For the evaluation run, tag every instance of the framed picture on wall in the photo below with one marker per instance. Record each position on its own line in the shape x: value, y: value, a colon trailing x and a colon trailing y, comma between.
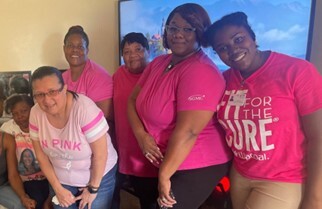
x: 12, y: 82
x: 280, y: 25
x: 15, y: 82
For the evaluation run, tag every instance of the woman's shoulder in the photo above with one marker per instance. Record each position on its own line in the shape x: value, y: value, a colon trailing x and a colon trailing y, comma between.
x: 94, y: 69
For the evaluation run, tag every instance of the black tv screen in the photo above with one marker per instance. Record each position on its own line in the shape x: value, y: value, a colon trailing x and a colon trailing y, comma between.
x: 280, y: 25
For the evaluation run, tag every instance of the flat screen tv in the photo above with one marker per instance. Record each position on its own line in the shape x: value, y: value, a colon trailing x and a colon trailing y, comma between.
x: 280, y: 25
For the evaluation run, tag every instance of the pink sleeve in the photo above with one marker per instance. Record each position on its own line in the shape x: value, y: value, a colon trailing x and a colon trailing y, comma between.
x: 200, y: 88
x: 33, y: 125
x: 308, y: 89
x: 101, y: 88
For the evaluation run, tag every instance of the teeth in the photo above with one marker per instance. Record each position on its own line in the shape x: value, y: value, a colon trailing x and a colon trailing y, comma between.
x: 239, y: 57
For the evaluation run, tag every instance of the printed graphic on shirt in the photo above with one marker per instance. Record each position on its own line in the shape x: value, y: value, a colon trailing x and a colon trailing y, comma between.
x: 28, y: 164
x: 247, y: 121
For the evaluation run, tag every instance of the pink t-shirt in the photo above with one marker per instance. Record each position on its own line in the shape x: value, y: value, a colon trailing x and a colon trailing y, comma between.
x: 68, y: 148
x: 94, y: 82
x: 261, y: 115
x: 193, y: 84
x: 131, y: 159
x: 28, y: 165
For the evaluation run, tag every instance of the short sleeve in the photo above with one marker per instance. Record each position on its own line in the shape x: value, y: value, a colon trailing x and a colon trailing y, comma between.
x: 101, y: 88
x: 92, y: 121
x: 33, y: 124
x: 308, y: 89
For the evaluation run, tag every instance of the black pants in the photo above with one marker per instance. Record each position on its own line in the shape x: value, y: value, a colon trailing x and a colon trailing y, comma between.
x: 192, y: 187
x: 37, y: 190
x: 147, y: 191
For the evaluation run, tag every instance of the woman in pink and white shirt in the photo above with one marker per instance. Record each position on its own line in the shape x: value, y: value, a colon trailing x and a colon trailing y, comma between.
x: 69, y: 134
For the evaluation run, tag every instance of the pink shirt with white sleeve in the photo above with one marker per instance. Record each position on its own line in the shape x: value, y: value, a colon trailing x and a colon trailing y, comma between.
x: 68, y: 148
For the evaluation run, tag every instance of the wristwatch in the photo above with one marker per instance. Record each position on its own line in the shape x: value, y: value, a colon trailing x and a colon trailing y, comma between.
x: 91, y: 189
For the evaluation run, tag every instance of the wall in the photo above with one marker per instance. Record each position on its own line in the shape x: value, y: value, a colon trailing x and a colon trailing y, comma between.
x: 316, y: 52
x: 32, y: 32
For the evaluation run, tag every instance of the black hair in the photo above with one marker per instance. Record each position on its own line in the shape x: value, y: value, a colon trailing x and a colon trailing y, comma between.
x: 16, y: 98
x: 134, y: 37
x: 196, y: 16
x: 44, y: 71
x: 233, y: 19
x: 77, y: 29
x: 19, y: 84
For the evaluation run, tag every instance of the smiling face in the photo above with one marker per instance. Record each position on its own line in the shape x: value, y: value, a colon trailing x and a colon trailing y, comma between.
x: 75, y: 50
x: 237, y: 49
x: 27, y: 158
x: 20, y: 114
x: 182, y: 44
x: 51, y: 104
x: 135, y: 57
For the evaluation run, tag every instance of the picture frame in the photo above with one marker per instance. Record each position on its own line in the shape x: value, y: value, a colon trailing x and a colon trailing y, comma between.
x: 13, y: 82
x: 284, y: 26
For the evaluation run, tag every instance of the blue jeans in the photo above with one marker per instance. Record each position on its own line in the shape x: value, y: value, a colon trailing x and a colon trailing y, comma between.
x: 8, y: 198
x: 104, y: 196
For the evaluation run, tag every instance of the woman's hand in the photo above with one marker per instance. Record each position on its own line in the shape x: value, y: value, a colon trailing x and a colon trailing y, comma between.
x: 28, y: 203
x: 150, y: 149
x: 65, y: 197
x: 86, y: 198
x: 166, y: 197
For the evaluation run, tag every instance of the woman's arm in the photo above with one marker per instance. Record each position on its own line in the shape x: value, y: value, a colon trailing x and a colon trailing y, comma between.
x: 145, y: 140
x: 313, y: 132
x: 65, y: 197
x: 13, y: 175
x: 106, y: 107
x: 188, y: 126
x: 98, y: 164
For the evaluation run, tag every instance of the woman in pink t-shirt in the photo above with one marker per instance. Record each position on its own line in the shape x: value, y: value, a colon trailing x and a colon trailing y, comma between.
x: 85, y: 76
x: 171, y: 113
x: 271, y: 111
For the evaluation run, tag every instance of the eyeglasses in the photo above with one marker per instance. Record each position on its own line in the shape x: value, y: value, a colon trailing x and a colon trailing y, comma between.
x: 79, y: 47
x: 50, y: 93
x: 172, y: 29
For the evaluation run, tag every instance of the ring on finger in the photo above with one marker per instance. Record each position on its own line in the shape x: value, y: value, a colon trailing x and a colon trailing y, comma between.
x: 147, y: 154
x: 163, y: 199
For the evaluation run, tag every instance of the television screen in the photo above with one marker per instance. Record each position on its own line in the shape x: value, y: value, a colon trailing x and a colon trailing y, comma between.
x: 279, y: 25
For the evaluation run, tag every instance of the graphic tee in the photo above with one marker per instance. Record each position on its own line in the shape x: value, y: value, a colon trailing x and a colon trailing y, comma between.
x: 262, y: 117
x: 68, y: 148
x: 28, y: 166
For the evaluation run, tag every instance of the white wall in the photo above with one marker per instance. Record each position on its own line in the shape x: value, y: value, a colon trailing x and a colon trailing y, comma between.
x: 32, y: 32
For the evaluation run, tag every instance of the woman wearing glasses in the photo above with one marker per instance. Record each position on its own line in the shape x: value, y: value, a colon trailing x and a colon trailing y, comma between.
x: 171, y: 111
x: 69, y: 134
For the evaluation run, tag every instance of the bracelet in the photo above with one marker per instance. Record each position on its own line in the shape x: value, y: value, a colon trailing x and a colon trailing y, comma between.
x: 91, y: 189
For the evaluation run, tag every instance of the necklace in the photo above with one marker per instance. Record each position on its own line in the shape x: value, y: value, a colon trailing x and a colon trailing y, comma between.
x: 169, y: 67
x: 172, y: 64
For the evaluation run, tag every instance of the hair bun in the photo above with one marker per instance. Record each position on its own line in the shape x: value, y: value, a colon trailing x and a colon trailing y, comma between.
x: 76, y: 28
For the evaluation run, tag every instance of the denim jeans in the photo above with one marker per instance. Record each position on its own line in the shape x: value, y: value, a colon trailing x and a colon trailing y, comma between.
x: 8, y: 198
x: 104, y: 196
